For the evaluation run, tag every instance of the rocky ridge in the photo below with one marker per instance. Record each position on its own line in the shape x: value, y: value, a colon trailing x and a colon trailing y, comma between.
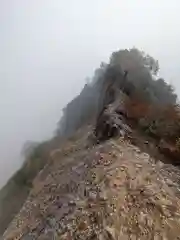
x: 102, y: 187
x: 107, y: 191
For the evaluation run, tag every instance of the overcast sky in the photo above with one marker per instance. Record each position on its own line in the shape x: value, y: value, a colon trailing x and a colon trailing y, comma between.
x: 48, y: 48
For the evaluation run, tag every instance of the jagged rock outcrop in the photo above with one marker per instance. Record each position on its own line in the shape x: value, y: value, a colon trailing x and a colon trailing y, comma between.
x: 112, y: 119
x: 89, y: 104
x: 111, y: 123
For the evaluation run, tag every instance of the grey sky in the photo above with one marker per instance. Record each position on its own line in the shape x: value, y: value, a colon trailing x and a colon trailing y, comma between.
x: 48, y: 47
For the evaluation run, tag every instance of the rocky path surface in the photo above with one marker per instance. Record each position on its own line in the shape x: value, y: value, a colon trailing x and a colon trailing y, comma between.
x: 109, y: 191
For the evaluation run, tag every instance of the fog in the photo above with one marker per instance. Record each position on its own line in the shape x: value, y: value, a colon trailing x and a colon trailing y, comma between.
x: 48, y: 48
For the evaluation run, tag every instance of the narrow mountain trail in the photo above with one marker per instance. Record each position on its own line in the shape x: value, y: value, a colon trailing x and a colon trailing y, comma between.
x: 108, y: 191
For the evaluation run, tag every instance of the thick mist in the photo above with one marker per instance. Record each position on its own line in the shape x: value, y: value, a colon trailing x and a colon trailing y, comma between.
x: 48, y: 48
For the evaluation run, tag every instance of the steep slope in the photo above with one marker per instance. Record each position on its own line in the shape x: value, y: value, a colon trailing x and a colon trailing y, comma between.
x: 108, y: 191
x: 16, y: 190
x: 96, y: 184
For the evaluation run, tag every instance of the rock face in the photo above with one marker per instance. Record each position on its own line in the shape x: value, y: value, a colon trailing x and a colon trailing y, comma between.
x: 108, y: 191
x: 111, y: 123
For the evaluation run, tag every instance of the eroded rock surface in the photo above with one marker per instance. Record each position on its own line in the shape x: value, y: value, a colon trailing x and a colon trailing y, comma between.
x: 108, y: 191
